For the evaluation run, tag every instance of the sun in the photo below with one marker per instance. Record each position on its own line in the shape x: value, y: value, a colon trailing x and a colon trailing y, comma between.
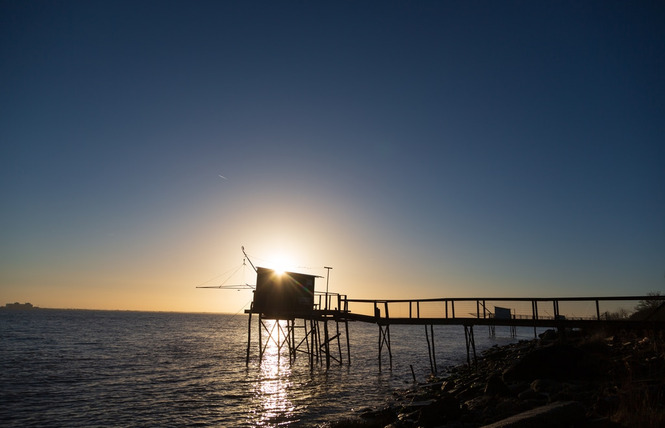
x: 281, y: 263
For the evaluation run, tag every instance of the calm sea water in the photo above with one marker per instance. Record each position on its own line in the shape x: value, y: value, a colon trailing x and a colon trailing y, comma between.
x: 108, y: 368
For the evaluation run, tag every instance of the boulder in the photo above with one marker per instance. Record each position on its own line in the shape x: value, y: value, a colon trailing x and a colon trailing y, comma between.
x: 530, y: 394
x: 448, y: 386
x: 496, y: 386
x: 557, y: 361
x: 548, y: 386
x: 555, y: 415
x: 548, y: 335
x: 446, y: 408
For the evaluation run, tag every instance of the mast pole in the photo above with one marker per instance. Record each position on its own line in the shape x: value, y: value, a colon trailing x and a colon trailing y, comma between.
x: 248, y: 259
x: 327, y: 282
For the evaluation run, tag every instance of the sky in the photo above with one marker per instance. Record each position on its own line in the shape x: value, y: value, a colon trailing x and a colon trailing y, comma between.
x: 421, y: 149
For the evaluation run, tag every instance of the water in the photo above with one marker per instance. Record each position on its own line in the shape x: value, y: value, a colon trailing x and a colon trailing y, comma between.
x: 109, y: 368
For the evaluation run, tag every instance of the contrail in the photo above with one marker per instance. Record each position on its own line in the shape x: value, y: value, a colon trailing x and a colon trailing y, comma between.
x: 221, y: 176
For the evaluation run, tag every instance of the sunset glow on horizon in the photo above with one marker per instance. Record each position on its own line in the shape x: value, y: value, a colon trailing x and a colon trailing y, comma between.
x: 437, y: 149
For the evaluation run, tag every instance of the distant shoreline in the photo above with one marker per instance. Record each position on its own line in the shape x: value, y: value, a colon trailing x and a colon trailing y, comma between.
x: 10, y: 307
x: 16, y: 306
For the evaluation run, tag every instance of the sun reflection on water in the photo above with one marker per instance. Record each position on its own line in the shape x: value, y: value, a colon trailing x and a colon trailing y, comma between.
x: 274, y: 386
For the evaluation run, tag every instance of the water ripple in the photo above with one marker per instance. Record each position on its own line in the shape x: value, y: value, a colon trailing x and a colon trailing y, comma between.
x: 102, y: 368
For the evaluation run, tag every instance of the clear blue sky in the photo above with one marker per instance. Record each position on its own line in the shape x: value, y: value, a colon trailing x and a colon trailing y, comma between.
x: 421, y: 149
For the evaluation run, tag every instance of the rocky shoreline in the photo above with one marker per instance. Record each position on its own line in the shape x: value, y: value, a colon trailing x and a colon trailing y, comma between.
x: 571, y: 380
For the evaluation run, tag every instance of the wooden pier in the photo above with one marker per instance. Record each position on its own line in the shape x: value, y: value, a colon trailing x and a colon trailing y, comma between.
x: 319, y: 329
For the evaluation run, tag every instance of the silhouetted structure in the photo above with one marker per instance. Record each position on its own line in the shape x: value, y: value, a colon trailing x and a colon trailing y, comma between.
x: 284, y: 299
x: 283, y: 292
x: 19, y: 306
x: 467, y: 312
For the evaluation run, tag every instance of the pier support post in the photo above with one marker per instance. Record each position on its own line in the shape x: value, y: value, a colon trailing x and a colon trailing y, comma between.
x: 470, y: 344
x: 293, y: 348
x: 260, y: 339
x: 278, y: 342
x: 534, y: 313
x: 249, y: 337
x: 339, y: 343
x: 431, y: 352
x: 384, y: 340
x: 317, y: 325
x: 348, y: 345
x: 431, y: 330
x: 312, y: 349
x: 312, y: 355
x: 306, y: 340
x: 327, y: 342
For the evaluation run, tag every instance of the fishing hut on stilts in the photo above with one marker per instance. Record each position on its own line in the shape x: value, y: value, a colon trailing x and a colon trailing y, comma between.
x: 294, y: 318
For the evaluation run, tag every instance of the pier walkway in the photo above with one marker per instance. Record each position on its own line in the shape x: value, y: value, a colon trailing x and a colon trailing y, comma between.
x: 322, y: 342
x: 565, y: 312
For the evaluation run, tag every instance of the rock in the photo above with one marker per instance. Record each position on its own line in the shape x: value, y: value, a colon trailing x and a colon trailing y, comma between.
x: 408, y: 419
x: 417, y: 405
x: 466, y: 392
x: 548, y: 386
x: 555, y: 415
x: 529, y: 394
x: 448, y: 386
x: 556, y: 362
x: 602, y: 423
x: 433, y: 385
x: 548, y: 335
x: 478, y: 403
x: 384, y: 415
x: 539, y: 401
x: 517, y: 387
x: 495, y: 386
x: 447, y: 408
x: 495, y: 353
x: 509, y: 407
x: 582, y: 382
x: 606, y: 405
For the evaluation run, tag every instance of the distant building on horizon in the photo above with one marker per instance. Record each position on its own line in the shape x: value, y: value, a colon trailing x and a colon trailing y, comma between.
x: 16, y: 306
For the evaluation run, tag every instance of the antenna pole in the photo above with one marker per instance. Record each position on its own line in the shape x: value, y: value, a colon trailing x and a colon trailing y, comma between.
x: 248, y: 259
x: 327, y: 282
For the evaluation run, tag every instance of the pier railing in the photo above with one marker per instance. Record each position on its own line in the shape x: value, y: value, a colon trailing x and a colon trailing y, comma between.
x: 497, y: 310
x: 318, y: 333
x: 330, y: 301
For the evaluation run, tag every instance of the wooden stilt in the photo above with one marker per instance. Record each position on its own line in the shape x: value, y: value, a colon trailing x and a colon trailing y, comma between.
x: 318, y: 342
x: 279, y: 347
x: 315, y: 340
x: 327, y: 342
x: 339, y: 344
x: 348, y: 346
x: 260, y: 339
x: 384, y: 340
x: 249, y: 337
x: 429, y: 351
x: 307, y: 333
x: 470, y: 344
x: 390, y: 352
x: 380, y: 345
x: 431, y: 329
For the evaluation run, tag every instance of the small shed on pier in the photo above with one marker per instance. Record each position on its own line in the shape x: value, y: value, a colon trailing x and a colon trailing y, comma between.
x: 283, y: 293
x: 502, y: 313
